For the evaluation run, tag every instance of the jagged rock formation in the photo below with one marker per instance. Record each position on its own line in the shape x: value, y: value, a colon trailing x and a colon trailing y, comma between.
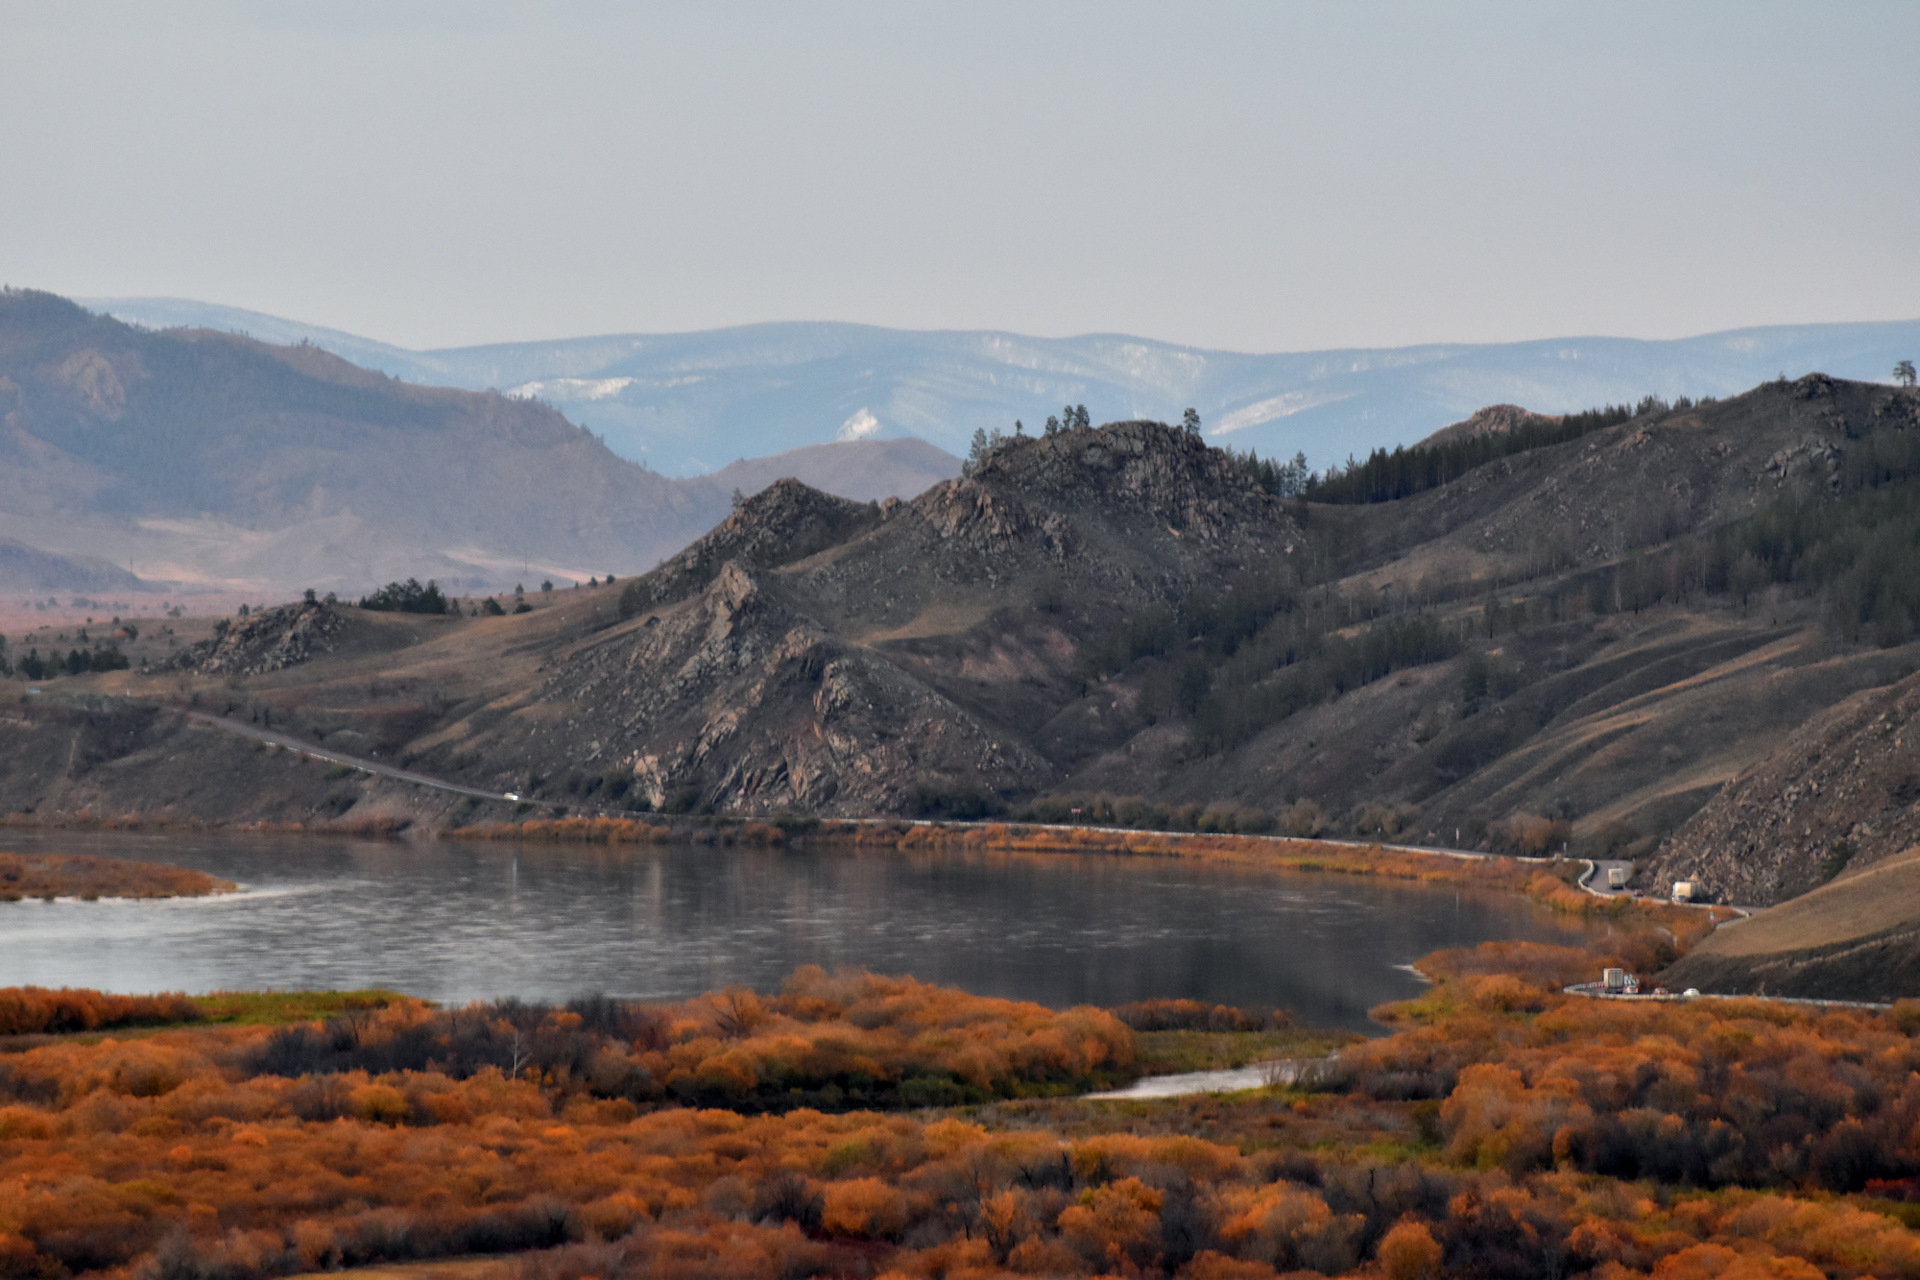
x: 270, y: 640
x: 802, y: 656
x: 738, y: 700
x: 784, y: 522
x: 1839, y: 795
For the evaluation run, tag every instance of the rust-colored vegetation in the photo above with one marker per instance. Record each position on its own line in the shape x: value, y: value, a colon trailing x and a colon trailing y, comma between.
x: 1504, y: 1130
x: 851, y: 1039
x: 74, y: 875
x: 28, y: 1011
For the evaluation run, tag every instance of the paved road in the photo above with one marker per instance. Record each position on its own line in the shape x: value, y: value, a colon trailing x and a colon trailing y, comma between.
x: 340, y: 757
x: 1595, y: 881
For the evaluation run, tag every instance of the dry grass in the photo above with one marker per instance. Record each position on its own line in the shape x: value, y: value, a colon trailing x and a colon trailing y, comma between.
x: 1881, y: 897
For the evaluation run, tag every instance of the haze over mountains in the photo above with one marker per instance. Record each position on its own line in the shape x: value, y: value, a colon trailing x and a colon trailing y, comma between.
x: 690, y: 403
x: 195, y: 458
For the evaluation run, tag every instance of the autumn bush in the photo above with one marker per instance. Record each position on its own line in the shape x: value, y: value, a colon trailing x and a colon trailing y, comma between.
x: 1196, y: 1015
x: 1547, y: 1136
x: 830, y: 1041
x: 39, y: 1010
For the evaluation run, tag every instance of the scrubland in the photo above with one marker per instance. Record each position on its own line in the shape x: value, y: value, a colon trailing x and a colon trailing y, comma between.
x: 1502, y: 1128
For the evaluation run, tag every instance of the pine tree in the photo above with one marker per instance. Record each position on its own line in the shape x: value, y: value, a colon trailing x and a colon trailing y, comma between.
x: 976, y: 451
x: 1190, y: 421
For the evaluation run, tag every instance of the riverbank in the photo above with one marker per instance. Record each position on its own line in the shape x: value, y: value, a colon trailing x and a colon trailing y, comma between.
x: 1553, y: 882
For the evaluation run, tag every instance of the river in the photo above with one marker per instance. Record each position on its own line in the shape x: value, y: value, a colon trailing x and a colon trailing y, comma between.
x: 458, y: 922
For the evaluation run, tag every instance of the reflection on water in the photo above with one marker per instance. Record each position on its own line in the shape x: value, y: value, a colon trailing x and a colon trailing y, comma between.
x: 459, y: 922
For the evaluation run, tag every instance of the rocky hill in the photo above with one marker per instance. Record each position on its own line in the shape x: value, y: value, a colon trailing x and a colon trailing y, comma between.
x: 1856, y: 938
x: 1577, y: 645
x: 812, y: 654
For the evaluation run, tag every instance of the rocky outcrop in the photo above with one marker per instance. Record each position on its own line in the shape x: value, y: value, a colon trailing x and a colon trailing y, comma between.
x: 270, y: 640
x: 814, y: 654
x: 1840, y: 794
x: 735, y: 700
x: 785, y: 522
x: 1114, y: 517
x: 1130, y: 472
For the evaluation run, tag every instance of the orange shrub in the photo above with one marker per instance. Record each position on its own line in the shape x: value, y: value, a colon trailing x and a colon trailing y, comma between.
x: 37, y: 1010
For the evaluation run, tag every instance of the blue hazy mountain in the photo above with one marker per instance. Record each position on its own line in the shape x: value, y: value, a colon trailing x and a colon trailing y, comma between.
x: 690, y: 403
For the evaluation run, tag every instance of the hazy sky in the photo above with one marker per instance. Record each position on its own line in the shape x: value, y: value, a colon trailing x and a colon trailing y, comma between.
x: 1256, y: 176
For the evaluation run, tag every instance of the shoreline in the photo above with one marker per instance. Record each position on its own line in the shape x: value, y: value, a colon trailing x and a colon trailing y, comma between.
x: 1544, y: 880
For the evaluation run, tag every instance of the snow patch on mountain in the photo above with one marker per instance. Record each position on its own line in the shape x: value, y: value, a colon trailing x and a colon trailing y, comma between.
x: 860, y: 425
x: 569, y: 390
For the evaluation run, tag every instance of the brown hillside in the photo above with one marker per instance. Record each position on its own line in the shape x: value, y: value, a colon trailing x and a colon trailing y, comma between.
x: 201, y: 457
x: 1857, y: 938
x: 1841, y: 793
x: 1565, y: 645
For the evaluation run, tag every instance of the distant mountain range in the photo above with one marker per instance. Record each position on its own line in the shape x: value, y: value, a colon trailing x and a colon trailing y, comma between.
x: 688, y: 404
x: 204, y: 460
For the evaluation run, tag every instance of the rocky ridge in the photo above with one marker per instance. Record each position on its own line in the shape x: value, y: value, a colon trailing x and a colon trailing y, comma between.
x: 735, y: 699
x: 270, y: 640
x: 784, y: 522
x: 815, y: 654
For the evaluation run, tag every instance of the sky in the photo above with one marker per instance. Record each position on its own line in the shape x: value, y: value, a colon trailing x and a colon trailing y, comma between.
x: 1250, y: 176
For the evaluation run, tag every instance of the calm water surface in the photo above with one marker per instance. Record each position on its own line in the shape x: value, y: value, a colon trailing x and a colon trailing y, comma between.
x: 461, y: 922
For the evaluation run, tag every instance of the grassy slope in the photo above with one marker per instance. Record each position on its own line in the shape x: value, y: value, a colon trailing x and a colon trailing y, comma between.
x: 1856, y: 938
